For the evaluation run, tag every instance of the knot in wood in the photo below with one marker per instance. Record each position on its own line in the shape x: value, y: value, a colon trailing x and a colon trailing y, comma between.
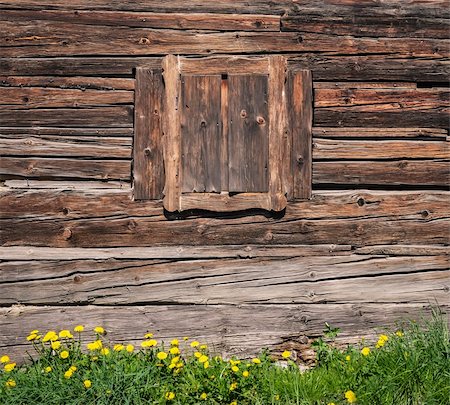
x: 260, y: 120
x: 67, y: 233
x: 268, y: 236
x: 361, y: 201
x: 203, y: 124
x: 243, y: 114
x: 144, y: 41
x: 425, y: 213
x: 300, y: 160
x: 147, y: 151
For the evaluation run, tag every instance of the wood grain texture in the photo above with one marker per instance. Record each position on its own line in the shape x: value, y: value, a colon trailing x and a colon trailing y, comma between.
x: 148, y: 164
x: 201, y: 133
x: 249, y: 121
x: 37, y: 132
x: 181, y: 21
x: 380, y: 133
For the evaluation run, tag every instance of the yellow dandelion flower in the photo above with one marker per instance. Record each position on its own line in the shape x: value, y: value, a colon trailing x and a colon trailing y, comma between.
x: 198, y: 354
x: 68, y: 374
x: 55, y: 345
x: 34, y: 332
x: 234, y: 403
x: 64, y: 354
x: 381, y: 341
x: 129, y: 348
x: 206, y: 364
x: 233, y: 386
x: 87, y: 383
x: 185, y: 338
x: 348, y: 358
x: 10, y: 383
x: 48, y: 369
x: 50, y: 336
x: 203, y: 358
x: 203, y: 347
x: 118, y: 347
x: 276, y: 397
x: 350, y: 396
x: 204, y: 396
x: 94, y: 358
x: 174, y: 350
x: 148, y: 335
x: 152, y: 342
x: 256, y: 360
x: 399, y: 333
x: 175, y: 359
x: 9, y: 367
x: 65, y: 334
x: 179, y: 365
x: 234, y: 362
x: 162, y: 355
x: 195, y: 343
x: 96, y: 345
x: 99, y: 330
x: 235, y: 369
x: 73, y: 368
x: 245, y: 374
x: 286, y: 354
x: 365, y: 351
x: 78, y: 328
x: 170, y: 395
x: 171, y: 366
x: 105, y: 351
x: 174, y: 342
x: 4, y: 359
x: 331, y: 403
x: 32, y: 337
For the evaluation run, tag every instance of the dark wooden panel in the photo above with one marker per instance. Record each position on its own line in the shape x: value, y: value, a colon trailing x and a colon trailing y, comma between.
x: 201, y: 133
x: 63, y: 168
x: 148, y: 164
x: 301, y: 117
x: 68, y: 146
x: 248, y: 133
x: 204, y: 21
x: 69, y: 117
x: 15, y: 132
x: 380, y: 133
x: 324, y: 67
x: 400, y: 172
x: 390, y: 26
x: 46, y: 38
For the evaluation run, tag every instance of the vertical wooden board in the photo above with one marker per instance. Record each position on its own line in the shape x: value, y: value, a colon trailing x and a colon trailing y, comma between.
x: 300, y: 107
x: 148, y: 170
x: 171, y: 128
x: 224, y: 146
x: 248, y: 138
x: 201, y: 133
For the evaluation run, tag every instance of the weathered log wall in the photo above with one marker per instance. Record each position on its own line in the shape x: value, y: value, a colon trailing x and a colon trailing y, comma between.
x: 368, y: 249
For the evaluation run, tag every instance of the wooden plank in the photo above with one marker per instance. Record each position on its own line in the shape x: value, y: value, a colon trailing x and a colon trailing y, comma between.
x: 148, y: 165
x: 27, y: 253
x: 67, y: 146
x: 62, y: 185
x: 47, y: 38
x: 249, y: 121
x: 218, y: 325
x: 339, y: 67
x: 278, y: 131
x: 35, y: 131
x: 364, y: 85
x: 389, y: 26
x: 300, y: 280
x: 227, y: 203
x: 224, y: 159
x: 80, y: 83
x: 380, y: 133
x: 400, y: 172
x: 201, y: 133
x: 301, y: 117
x: 379, y: 149
x: 171, y: 128
x: 64, y: 167
x: 182, y: 21
x: 404, y: 250
x: 110, y: 117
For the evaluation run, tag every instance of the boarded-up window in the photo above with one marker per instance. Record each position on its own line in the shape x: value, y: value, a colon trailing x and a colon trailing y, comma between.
x: 228, y: 136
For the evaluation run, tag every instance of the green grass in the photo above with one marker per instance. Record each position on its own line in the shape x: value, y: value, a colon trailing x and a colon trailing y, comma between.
x: 411, y: 366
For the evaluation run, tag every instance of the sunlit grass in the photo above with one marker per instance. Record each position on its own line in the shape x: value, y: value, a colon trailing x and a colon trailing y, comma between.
x: 410, y: 365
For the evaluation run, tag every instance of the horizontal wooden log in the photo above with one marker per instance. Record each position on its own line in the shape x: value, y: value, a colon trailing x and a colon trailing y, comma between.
x: 324, y: 67
x: 35, y: 131
x: 63, y: 168
x: 45, y: 38
x: 379, y: 149
x: 197, y: 21
x: 68, y: 202
x: 300, y: 280
x: 390, y: 26
x: 119, y: 116
x: 364, y: 85
x: 218, y: 325
x: 381, y: 99
x: 401, y: 172
x: 66, y: 146
x: 80, y: 83
x: 35, y: 97
x: 404, y: 250
x: 380, y: 133
x: 64, y: 185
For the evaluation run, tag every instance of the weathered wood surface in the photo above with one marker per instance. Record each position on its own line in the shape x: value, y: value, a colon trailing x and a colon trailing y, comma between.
x: 37, y: 131
x: 380, y: 133
x: 181, y: 21
x: 218, y: 325
x: 396, y: 172
x: 324, y: 67
x: 109, y: 218
x: 47, y: 38
x: 148, y: 164
x: 62, y: 185
x: 302, y: 280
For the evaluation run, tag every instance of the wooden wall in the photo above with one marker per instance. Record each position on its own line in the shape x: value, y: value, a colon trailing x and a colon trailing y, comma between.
x: 368, y: 249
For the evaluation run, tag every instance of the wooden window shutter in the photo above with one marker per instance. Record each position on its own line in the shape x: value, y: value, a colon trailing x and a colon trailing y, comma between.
x: 232, y: 136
